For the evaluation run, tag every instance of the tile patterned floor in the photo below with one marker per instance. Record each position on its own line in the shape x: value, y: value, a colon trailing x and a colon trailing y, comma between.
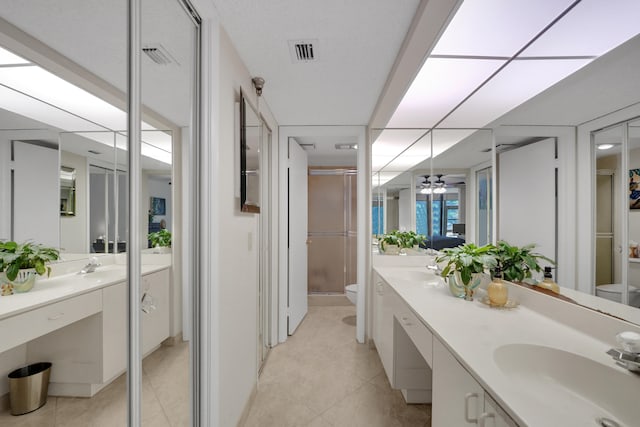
x: 319, y: 378
x: 165, y: 398
x: 322, y: 377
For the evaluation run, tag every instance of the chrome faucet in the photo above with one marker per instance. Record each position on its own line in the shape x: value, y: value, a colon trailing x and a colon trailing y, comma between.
x: 629, y: 355
x: 91, y: 267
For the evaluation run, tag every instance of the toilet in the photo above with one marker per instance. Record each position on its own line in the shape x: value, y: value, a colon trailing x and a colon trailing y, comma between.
x: 613, y: 292
x: 352, y: 293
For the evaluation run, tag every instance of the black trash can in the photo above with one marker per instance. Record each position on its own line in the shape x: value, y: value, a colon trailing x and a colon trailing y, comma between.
x: 28, y: 387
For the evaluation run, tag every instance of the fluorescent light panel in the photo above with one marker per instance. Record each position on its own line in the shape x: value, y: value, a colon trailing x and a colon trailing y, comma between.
x: 8, y: 58
x: 518, y: 82
x: 482, y: 29
x: 593, y: 27
x: 36, y: 93
x: 496, y: 27
x: 440, y: 85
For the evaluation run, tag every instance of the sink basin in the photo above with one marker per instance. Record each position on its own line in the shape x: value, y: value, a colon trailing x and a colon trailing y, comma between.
x: 569, y: 388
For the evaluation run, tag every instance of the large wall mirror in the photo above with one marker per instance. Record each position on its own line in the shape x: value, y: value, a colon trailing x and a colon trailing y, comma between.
x: 64, y: 161
x: 250, y: 143
x: 527, y: 172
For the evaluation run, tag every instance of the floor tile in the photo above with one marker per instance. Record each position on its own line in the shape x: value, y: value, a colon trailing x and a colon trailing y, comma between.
x: 322, y: 368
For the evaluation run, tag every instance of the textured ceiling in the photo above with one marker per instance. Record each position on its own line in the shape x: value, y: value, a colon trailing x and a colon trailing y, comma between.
x: 357, y: 44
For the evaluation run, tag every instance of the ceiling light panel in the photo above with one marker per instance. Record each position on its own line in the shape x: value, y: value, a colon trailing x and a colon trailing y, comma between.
x: 8, y: 58
x: 26, y: 106
x: 439, y: 86
x: 158, y: 138
x: 391, y: 142
x: 497, y: 27
x: 593, y: 27
x: 518, y: 82
x: 443, y: 139
x: 51, y: 89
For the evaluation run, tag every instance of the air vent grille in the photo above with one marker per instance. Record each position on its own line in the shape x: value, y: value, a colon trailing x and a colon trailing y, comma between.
x: 303, y: 50
x: 158, y: 54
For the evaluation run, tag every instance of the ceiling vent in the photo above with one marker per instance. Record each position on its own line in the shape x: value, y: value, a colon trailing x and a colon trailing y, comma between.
x: 158, y: 54
x: 308, y: 147
x: 346, y: 146
x: 303, y: 50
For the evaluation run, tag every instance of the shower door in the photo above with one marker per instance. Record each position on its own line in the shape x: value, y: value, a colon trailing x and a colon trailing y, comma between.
x: 332, y: 230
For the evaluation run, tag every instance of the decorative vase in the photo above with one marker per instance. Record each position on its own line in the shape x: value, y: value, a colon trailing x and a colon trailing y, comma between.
x: 388, y: 249
x: 476, y: 279
x: 457, y: 290
x: 23, y: 282
x: 498, y: 292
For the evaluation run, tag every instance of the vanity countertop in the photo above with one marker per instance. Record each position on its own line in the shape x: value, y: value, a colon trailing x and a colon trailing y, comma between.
x: 61, y: 287
x: 473, y: 331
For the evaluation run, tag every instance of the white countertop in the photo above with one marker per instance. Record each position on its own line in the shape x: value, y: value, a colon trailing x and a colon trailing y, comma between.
x: 64, y: 286
x: 472, y: 331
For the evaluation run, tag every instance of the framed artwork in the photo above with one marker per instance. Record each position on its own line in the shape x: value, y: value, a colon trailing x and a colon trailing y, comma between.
x: 158, y: 206
x: 634, y: 189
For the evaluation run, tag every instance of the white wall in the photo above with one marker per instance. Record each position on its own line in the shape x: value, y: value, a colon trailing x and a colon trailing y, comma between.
x: 526, y: 197
x: 73, y: 229
x: 233, y: 235
x: 404, y: 210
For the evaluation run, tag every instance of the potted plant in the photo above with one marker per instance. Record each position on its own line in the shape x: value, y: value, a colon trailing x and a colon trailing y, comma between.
x: 517, y: 263
x: 21, y: 262
x: 160, y: 238
x: 397, y: 241
x: 464, y: 267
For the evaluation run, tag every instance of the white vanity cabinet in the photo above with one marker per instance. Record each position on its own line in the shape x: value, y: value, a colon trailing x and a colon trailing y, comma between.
x: 400, y: 339
x: 383, y: 301
x: 155, y: 322
x: 85, y: 335
x: 458, y: 399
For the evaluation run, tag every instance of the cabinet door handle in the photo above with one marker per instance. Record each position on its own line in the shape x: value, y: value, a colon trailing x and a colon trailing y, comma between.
x: 467, y: 398
x: 405, y: 321
x: 380, y: 288
x: 56, y: 316
x: 484, y: 417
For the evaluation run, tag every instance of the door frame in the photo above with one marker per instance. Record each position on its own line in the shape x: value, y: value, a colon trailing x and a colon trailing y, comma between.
x: 364, y: 217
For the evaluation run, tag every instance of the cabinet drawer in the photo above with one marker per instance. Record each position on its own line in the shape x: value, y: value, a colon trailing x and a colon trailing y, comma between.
x: 24, y: 327
x: 421, y: 337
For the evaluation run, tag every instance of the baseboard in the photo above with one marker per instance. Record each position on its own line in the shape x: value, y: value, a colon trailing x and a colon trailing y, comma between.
x: 247, y: 407
x: 171, y: 341
x: 328, y: 300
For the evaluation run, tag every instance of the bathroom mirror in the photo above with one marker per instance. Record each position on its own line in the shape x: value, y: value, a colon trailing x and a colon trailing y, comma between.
x: 250, y: 137
x: 67, y: 191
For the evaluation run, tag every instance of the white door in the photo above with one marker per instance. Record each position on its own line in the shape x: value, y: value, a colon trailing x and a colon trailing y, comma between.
x: 297, y: 236
x: 527, y: 197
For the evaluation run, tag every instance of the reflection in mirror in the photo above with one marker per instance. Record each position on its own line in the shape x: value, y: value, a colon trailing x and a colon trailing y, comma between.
x: 617, y: 177
x: 607, y: 148
x: 30, y: 186
x: 250, y: 137
x: 67, y: 191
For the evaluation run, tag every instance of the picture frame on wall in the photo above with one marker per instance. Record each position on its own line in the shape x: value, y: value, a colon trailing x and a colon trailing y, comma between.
x: 158, y: 206
x: 634, y: 189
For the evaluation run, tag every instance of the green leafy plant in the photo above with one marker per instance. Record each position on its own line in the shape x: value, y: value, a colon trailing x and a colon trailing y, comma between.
x: 467, y: 259
x: 402, y: 239
x: 17, y: 256
x: 518, y: 263
x: 160, y: 238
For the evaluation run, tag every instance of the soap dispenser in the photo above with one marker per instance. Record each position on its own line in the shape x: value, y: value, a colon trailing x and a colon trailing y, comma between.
x: 497, y: 290
x: 548, y: 282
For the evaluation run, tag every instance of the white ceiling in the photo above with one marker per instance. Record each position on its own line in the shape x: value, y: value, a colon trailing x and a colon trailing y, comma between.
x: 357, y: 44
